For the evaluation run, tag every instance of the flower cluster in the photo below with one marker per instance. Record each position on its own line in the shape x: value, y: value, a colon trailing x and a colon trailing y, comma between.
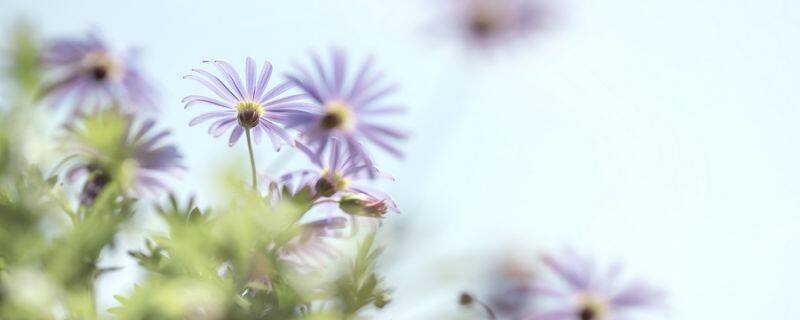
x: 273, y: 250
x: 267, y: 254
x: 333, y: 118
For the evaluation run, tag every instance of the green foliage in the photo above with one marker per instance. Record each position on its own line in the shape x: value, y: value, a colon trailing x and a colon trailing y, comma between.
x: 24, y: 56
x: 238, y: 254
x: 360, y: 286
x: 48, y: 250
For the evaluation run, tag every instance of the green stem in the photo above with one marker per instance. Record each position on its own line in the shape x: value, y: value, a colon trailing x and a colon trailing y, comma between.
x: 252, y: 158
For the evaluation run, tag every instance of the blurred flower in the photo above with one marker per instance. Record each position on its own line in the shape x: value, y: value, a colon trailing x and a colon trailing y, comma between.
x: 584, y: 293
x: 335, y: 178
x: 345, y: 109
x: 310, y: 248
x: 86, y: 71
x: 486, y: 23
x: 246, y: 105
x: 111, y: 148
x: 511, y: 285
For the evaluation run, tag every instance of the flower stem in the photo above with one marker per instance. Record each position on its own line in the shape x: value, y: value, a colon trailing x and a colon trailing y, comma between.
x: 252, y: 158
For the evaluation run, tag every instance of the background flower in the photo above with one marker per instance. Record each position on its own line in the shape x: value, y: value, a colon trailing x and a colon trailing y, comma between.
x: 583, y: 292
x: 346, y: 107
x: 86, y: 72
x: 110, y: 146
x: 488, y: 23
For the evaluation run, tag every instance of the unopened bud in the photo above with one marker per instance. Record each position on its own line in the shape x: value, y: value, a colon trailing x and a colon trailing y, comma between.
x: 359, y: 206
x: 382, y: 300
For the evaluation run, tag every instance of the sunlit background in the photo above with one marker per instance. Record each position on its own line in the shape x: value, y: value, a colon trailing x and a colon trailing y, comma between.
x: 661, y: 134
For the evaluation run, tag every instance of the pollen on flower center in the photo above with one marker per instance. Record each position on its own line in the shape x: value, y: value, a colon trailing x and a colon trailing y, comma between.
x: 329, y: 184
x: 591, y: 308
x: 337, y: 116
x: 101, y: 66
x: 249, y: 113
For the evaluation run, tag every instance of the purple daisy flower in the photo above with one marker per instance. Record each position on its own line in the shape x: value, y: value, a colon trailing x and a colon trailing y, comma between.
x: 335, y: 179
x: 246, y: 105
x: 585, y: 293
x: 109, y: 147
x: 486, y: 23
x: 345, y: 109
x: 86, y: 72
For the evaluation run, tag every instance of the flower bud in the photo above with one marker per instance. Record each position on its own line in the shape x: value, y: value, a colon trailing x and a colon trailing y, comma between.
x: 382, y: 300
x: 361, y: 206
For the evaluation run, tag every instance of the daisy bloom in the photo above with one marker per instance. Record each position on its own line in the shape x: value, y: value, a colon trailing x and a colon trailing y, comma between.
x: 245, y: 106
x: 85, y: 72
x: 337, y: 176
x: 583, y: 292
x: 109, y: 146
x: 347, y: 106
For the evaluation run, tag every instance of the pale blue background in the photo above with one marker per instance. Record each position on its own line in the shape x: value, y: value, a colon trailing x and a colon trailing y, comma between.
x: 660, y: 133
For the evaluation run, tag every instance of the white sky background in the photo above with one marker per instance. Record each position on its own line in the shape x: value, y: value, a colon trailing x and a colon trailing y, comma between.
x: 659, y: 133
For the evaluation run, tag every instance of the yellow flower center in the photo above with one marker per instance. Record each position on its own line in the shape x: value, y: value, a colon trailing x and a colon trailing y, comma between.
x: 591, y: 307
x: 329, y: 184
x: 337, y: 116
x: 249, y: 113
x: 102, y: 66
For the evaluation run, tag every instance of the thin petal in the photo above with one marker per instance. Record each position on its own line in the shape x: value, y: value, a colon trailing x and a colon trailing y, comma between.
x: 208, y: 116
x: 231, y: 77
x: 250, y: 70
x: 384, y: 145
x: 311, y: 154
x: 364, y: 102
x: 339, y: 68
x: 280, y: 88
x: 223, y: 94
x: 266, y: 73
x: 286, y: 99
x: 223, y: 88
x: 235, y: 135
x: 191, y: 100
x: 359, y: 82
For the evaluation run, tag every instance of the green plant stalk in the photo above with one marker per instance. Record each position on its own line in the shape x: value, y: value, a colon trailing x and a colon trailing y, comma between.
x: 252, y: 158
